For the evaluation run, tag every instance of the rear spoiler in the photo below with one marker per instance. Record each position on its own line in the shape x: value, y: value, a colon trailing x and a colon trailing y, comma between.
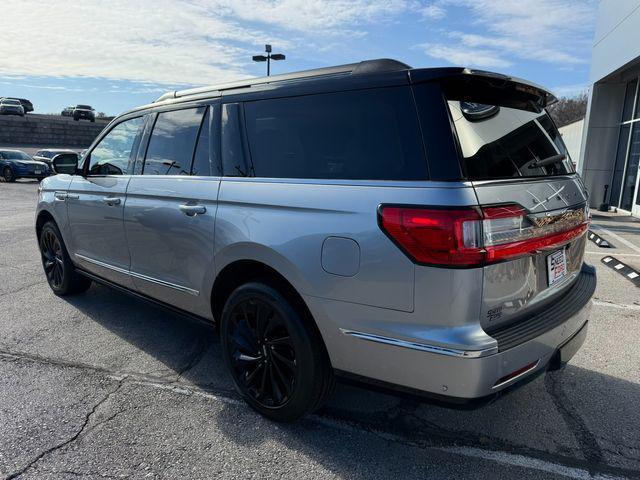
x: 490, y: 88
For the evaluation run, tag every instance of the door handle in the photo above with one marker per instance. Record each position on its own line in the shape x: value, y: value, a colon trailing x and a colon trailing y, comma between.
x: 193, y: 210
x: 62, y: 196
x: 111, y: 201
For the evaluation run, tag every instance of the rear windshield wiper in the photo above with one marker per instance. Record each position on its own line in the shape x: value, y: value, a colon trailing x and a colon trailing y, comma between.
x: 548, y: 161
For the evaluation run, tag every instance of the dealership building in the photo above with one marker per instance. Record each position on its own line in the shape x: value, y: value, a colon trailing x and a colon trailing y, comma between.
x: 610, y: 151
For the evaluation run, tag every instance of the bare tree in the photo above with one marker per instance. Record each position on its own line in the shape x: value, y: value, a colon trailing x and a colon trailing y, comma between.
x: 569, y: 109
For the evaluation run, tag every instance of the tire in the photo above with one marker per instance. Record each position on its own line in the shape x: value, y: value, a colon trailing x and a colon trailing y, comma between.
x: 274, y: 354
x: 60, y: 272
x: 75, y: 119
x: 93, y: 120
x: 8, y: 175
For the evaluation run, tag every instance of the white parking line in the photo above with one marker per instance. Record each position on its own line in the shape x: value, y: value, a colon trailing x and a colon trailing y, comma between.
x: 621, y: 306
x: 626, y: 242
x: 505, y: 458
x: 619, y: 254
x: 527, y: 462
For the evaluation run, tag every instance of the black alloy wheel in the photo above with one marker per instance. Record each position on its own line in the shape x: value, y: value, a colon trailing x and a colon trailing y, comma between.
x: 61, y: 274
x: 274, y: 353
x: 52, y: 259
x: 7, y: 174
x: 263, y: 354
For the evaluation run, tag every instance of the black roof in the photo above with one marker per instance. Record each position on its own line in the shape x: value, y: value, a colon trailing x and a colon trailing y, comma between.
x: 458, y: 82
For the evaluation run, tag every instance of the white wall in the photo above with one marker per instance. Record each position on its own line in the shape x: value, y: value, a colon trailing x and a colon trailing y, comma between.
x: 617, y: 38
x: 572, y: 137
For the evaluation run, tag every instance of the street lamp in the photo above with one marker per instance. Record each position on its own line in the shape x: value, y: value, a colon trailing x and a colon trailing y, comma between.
x: 268, y: 57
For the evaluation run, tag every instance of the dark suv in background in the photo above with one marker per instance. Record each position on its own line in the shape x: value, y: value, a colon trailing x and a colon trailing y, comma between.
x: 84, y: 111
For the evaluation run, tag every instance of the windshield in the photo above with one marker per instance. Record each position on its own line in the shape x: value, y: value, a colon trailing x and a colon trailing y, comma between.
x: 500, y: 142
x: 10, y: 102
x: 10, y: 155
x: 84, y: 107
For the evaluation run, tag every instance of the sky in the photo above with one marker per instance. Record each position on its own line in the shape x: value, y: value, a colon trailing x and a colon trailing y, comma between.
x: 117, y: 54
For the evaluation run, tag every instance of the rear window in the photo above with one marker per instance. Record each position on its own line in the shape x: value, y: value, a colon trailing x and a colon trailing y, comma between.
x: 501, y: 142
x: 13, y: 155
x: 357, y: 135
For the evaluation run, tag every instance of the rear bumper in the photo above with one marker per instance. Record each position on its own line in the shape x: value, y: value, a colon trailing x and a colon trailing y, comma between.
x: 463, y: 375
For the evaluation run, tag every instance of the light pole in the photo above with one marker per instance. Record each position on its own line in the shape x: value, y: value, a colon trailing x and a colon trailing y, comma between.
x: 268, y: 57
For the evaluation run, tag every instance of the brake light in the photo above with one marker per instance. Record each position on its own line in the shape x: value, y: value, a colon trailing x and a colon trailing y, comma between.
x: 467, y: 237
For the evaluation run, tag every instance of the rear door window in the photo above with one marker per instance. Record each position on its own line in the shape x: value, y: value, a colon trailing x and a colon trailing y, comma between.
x: 501, y: 142
x: 172, y: 142
x: 201, y: 164
x: 359, y: 135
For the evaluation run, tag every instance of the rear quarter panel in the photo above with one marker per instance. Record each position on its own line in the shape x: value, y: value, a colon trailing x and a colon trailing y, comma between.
x: 284, y: 224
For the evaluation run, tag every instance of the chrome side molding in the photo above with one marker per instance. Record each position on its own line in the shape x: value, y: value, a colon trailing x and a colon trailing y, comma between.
x: 423, y: 347
x: 146, y: 278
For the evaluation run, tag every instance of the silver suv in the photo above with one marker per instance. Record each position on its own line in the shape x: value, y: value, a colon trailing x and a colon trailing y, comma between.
x: 419, y: 229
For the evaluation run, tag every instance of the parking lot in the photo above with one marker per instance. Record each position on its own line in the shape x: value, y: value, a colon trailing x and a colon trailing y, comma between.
x: 101, y: 385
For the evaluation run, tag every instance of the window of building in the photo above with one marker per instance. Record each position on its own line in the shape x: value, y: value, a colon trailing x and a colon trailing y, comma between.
x: 172, y: 142
x: 625, y: 173
x: 358, y: 135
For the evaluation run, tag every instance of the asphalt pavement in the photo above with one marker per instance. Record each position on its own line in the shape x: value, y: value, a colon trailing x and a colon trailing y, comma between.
x: 101, y: 385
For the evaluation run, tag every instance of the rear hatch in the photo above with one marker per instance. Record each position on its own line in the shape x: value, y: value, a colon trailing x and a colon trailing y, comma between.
x: 534, y: 207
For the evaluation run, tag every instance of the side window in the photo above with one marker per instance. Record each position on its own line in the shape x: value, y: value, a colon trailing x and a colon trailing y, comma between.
x: 172, y: 142
x: 233, y: 156
x: 357, y: 135
x: 201, y: 164
x: 115, y: 153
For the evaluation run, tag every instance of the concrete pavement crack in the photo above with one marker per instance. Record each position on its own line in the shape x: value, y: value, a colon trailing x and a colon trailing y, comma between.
x: 587, y: 442
x: 70, y: 440
x: 25, y: 287
x: 390, y: 424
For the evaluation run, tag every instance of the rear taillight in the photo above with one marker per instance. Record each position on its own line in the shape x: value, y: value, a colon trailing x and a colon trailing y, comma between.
x: 467, y: 237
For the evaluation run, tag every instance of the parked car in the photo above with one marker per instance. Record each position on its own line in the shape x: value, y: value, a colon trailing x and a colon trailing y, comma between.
x: 67, y: 112
x: 84, y: 111
x: 15, y: 164
x: 46, y: 155
x: 418, y: 229
x: 10, y: 106
x: 26, y: 104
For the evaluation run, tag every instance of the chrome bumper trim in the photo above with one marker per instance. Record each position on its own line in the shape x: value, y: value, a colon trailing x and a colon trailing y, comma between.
x: 452, y: 352
x: 520, y: 375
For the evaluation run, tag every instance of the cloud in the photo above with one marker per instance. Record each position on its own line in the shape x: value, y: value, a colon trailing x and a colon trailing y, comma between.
x: 570, y: 90
x: 432, y: 11
x: 173, y: 42
x: 473, y: 57
x: 333, y: 17
x: 556, y: 32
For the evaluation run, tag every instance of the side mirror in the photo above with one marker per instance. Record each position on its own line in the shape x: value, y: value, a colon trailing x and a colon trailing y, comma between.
x: 65, y: 163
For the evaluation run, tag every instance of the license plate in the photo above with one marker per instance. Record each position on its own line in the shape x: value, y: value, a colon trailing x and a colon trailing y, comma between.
x: 556, y: 266
x: 37, y: 172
